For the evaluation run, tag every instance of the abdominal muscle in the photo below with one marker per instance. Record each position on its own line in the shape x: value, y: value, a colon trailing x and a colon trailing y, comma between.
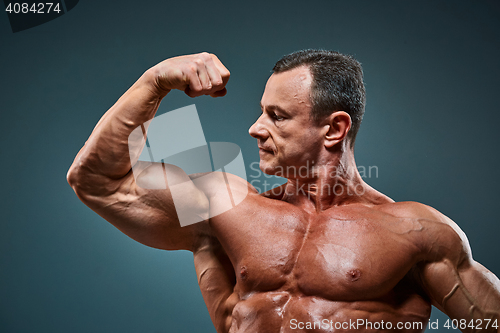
x: 284, y: 312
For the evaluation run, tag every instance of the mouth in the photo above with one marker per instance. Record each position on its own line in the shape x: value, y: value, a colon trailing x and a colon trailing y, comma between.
x: 263, y: 150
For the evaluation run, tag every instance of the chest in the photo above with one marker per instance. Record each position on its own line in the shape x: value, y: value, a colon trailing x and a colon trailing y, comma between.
x: 324, y: 255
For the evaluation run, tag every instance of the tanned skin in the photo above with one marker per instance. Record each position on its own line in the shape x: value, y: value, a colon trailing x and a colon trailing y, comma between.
x: 299, y: 253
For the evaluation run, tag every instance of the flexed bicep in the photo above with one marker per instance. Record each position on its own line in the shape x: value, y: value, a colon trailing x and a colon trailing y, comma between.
x: 107, y: 176
x: 150, y: 216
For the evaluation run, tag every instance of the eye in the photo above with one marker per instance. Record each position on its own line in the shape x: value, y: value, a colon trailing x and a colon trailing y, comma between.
x: 276, y: 117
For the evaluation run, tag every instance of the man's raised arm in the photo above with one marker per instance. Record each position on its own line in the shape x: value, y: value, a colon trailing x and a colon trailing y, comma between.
x: 101, y: 172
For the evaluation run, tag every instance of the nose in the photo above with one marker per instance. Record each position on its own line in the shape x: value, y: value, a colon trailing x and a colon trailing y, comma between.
x: 258, y: 130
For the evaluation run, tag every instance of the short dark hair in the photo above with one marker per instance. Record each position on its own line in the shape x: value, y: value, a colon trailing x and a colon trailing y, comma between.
x: 337, y: 84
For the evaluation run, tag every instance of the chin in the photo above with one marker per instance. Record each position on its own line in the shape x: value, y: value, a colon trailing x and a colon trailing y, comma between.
x: 270, y: 168
x: 265, y: 167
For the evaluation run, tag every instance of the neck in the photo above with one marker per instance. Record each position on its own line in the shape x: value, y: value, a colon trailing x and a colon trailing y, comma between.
x: 333, y: 182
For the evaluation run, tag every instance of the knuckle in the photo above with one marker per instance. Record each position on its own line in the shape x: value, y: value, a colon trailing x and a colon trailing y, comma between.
x: 217, y: 82
x: 205, y: 55
x: 198, y: 61
x: 197, y: 88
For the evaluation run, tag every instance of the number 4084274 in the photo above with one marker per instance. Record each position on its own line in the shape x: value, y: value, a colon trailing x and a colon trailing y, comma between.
x: 477, y: 324
x: 35, y: 8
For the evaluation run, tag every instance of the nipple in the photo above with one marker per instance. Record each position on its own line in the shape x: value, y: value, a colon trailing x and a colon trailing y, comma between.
x: 243, y: 273
x: 354, y: 274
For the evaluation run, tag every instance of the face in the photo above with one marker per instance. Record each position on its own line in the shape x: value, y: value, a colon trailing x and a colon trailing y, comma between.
x: 287, y: 136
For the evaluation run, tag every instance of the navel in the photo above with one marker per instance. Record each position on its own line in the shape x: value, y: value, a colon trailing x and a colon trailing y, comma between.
x: 354, y: 274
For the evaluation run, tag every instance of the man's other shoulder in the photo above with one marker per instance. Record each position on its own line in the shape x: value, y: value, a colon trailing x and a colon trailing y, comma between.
x: 439, y: 234
x: 412, y: 209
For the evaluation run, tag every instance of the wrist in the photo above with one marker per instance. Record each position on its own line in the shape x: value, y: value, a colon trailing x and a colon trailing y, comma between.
x: 151, y: 78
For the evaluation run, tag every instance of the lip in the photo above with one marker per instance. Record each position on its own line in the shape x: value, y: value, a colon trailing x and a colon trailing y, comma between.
x: 265, y: 151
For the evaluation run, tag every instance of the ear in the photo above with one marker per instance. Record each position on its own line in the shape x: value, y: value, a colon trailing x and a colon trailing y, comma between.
x: 338, y: 125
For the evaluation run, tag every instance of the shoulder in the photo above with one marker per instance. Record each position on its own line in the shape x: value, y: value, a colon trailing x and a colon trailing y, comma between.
x: 412, y: 209
x: 217, y: 185
x: 439, y: 237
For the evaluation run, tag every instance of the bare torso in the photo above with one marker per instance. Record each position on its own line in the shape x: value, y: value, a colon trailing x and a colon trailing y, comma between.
x: 292, y: 269
x: 283, y: 263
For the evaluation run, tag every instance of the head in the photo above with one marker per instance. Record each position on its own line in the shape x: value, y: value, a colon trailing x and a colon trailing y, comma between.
x: 337, y: 84
x: 313, y: 102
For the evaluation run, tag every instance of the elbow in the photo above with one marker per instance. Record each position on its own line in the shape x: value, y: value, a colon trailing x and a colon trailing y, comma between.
x: 88, y: 185
x: 74, y: 174
x: 71, y: 176
x: 74, y: 179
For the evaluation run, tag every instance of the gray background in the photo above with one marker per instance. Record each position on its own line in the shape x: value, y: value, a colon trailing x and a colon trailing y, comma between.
x: 431, y: 71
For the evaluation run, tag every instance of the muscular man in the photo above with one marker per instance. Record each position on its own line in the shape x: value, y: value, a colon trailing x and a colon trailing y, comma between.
x: 323, y: 251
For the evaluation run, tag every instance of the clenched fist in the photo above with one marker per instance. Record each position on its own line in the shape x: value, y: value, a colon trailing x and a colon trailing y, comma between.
x: 196, y: 75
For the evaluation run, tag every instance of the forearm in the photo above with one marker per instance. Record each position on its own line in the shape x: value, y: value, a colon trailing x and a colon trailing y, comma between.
x: 106, y: 154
